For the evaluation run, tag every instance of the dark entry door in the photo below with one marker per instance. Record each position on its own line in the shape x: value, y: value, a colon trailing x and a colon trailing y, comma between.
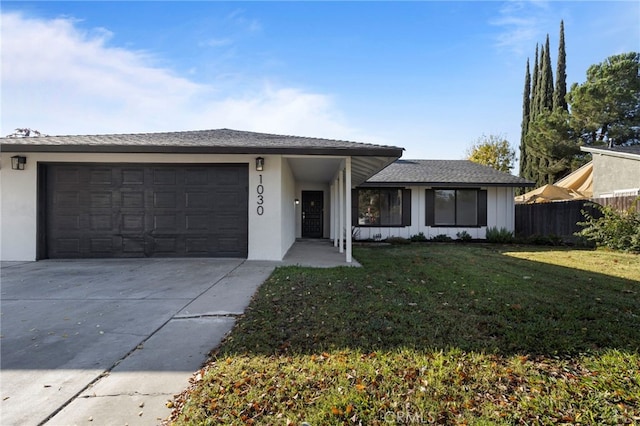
x: 145, y: 210
x: 312, y: 209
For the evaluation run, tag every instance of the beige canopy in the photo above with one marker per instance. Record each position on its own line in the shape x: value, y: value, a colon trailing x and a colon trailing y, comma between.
x: 576, y: 186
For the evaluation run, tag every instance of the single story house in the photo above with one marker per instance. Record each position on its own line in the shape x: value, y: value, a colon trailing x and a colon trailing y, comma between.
x: 616, y: 170
x: 211, y: 193
x: 434, y: 197
x: 228, y: 193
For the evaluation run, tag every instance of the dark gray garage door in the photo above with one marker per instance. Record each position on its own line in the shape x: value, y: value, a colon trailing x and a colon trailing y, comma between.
x: 139, y: 210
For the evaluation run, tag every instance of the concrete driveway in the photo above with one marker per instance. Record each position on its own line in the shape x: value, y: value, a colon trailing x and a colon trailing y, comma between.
x: 106, y: 342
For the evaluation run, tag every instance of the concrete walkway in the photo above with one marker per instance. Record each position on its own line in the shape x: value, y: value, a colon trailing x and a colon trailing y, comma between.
x: 109, y: 342
x: 316, y: 253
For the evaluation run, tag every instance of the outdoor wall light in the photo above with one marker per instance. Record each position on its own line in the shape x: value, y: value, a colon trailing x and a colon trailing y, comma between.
x: 296, y: 201
x: 18, y: 162
x: 259, y: 164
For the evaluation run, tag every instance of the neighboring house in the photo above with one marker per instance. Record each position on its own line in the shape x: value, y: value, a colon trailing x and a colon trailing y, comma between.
x: 434, y: 197
x: 212, y: 193
x: 616, y: 171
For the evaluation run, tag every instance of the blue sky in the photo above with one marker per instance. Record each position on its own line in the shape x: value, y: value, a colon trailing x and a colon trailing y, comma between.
x: 428, y: 76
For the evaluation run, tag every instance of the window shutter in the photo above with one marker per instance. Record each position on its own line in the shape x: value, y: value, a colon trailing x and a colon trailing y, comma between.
x: 354, y: 207
x: 406, y: 207
x: 430, y: 207
x: 482, y: 208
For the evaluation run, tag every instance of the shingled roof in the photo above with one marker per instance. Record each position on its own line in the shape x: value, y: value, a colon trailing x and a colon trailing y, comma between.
x: 443, y: 173
x: 220, y: 141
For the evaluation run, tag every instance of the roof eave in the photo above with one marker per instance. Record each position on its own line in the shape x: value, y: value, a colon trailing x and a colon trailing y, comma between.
x: 449, y: 184
x: 611, y: 153
x: 133, y: 149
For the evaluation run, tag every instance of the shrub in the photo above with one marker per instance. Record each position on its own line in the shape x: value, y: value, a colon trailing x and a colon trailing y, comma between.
x: 544, y: 240
x: 464, y: 236
x: 501, y: 236
x: 441, y: 238
x: 397, y: 240
x: 617, y: 230
x: 419, y: 237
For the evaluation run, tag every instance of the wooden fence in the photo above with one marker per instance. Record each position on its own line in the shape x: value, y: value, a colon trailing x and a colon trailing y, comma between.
x: 560, y: 219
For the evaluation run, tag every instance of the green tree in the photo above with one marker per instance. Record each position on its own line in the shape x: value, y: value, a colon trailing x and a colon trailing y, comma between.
x: 545, y: 94
x: 607, y: 106
x: 493, y: 151
x: 526, y: 109
x: 560, y: 92
x: 554, y: 147
x: 535, y: 84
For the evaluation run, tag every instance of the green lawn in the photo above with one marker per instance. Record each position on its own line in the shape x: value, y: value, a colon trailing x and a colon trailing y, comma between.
x: 433, y: 333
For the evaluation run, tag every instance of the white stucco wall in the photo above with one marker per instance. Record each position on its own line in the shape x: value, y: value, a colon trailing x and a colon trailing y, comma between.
x: 18, y: 211
x: 500, y: 213
x: 18, y: 199
x: 287, y: 208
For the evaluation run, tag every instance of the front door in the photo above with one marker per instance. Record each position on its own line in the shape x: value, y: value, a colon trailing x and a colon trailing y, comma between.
x: 312, y: 210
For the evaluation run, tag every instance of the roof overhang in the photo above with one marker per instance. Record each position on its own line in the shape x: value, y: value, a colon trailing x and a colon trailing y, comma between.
x: 324, y: 169
x: 370, y: 184
x: 311, y: 159
x: 177, y: 149
x: 610, y: 152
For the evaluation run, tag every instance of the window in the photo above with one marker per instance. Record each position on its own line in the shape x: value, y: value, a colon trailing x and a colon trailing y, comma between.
x: 382, y: 207
x: 456, y: 207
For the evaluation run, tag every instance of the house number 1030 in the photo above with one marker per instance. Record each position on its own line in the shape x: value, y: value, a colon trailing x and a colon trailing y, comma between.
x: 260, y: 190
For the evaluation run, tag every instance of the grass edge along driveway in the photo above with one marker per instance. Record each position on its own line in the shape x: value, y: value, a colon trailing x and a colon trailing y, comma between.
x: 433, y: 333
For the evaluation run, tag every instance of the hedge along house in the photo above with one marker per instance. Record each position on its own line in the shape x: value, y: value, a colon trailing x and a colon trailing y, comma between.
x: 212, y: 193
x: 434, y: 197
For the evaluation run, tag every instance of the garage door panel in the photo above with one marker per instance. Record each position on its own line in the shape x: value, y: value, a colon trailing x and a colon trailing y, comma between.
x: 165, y: 222
x: 70, y: 175
x: 225, y: 176
x: 197, y: 176
x: 228, y: 246
x: 100, y: 222
x: 133, y: 222
x: 101, y: 177
x: 197, y: 199
x: 225, y: 200
x: 164, y: 176
x: 69, y: 222
x: 66, y: 199
x: 165, y: 245
x: 132, y: 176
x: 100, y: 246
x: 197, y: 222
x: 197, y: 246
x: 133, y: 210
x: 165, y: 199
x: 133, y: 245
x: 100, y: 200
x: 69, y: 246
x: 132, y: 199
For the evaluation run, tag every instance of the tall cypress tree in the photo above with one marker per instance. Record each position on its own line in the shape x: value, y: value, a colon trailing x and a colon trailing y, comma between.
x: 546, y: 80
x: 526, y: 108
x: 560, y: 93
x: 546, y: 137
x: 530, y: 166
x: 533, y: 110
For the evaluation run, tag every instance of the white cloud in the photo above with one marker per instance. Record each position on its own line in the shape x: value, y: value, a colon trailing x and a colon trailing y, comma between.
x: 61, y: 80
x: 238, y: 18
x: 521, y: 23
x: 217, y: 42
